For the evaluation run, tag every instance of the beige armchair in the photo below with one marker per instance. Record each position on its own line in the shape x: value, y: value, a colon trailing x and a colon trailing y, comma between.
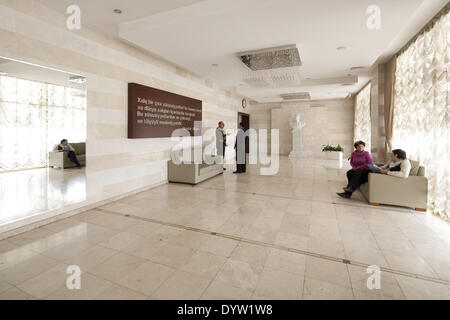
x: 59, y: 159
x: 410, y: 192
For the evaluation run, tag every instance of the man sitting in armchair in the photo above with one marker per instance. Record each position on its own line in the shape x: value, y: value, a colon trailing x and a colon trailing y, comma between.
x: 398, y: 166
x: 65, y: 146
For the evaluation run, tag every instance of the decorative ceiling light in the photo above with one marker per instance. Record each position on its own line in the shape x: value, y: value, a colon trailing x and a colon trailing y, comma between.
x: 271, y: 58
x: 117, y: 11
x: 77, y: 79
x: 276, y: 78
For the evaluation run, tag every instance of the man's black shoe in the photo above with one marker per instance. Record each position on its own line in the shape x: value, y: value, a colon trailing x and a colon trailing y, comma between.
x: 348, y: 189
x: 344, y: 195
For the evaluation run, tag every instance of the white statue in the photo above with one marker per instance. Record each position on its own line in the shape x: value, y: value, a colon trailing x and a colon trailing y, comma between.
x: 297, y: 126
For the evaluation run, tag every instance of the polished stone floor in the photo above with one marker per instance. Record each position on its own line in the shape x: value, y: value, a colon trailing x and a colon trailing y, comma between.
x: 245, y: 236
x: 31, y: 192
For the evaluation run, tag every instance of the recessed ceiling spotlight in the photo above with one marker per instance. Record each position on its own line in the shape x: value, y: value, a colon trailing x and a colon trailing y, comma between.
x: 356, y: 68
x: 341, y: 48
x: 117, y: 11
x: 215, y: 65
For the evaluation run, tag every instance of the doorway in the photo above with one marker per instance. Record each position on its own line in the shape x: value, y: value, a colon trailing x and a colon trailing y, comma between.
x: 245, y: 119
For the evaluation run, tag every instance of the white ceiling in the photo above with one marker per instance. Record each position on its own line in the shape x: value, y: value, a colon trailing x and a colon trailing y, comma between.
x: 195, y: 34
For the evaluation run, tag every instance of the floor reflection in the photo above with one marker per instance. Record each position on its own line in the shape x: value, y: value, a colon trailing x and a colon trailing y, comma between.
x: 26, y: 193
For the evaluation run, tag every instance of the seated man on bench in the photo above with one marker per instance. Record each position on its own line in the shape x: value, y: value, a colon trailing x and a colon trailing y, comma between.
x: 65, y: 146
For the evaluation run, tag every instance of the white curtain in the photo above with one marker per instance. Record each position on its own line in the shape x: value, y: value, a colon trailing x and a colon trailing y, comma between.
x: 362, y: 126
x: 34, y: 116
x: 422, y: 109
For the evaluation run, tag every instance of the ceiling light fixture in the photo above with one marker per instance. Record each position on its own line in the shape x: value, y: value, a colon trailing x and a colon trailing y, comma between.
x: 117, y: 11
x: 77, y: 79
x: 215, y: 65
x: 341, y: 48
x: 356, y: 68
x: 3, y: 73
x: 271, y: 58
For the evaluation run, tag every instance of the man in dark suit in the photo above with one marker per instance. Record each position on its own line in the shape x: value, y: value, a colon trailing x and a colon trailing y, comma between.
x: 240, y: 150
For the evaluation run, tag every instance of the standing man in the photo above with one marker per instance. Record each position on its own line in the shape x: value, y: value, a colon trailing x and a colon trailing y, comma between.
x: 240, y: 150
x: 65, y: 146
x: 221, y: 140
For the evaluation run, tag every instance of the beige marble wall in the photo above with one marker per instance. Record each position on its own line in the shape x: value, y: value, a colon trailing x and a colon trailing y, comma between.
x: 261, y: 118
x: 31, y: 32
x: 328, y: 122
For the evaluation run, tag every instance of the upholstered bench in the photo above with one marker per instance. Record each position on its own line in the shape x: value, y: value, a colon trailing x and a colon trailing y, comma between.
x: 193, y: 173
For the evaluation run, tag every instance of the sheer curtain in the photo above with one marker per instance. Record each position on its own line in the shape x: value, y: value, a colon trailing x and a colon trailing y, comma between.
x: 421, y: 109
x: 34, y: 116
x: 362, y: 127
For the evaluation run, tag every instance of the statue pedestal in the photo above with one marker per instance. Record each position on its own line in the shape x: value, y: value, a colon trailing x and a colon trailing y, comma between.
x: 296, y: 144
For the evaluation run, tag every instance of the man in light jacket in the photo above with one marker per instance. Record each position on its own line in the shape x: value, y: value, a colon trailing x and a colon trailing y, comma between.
x: 221, y: 140
x: 398, y: 166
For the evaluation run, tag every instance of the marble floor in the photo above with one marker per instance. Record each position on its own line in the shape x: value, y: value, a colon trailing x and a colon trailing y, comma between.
x: 31, y: 192
x: 247, y: 236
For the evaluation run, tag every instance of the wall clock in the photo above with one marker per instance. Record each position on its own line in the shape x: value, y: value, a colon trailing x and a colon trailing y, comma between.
x: 244, y: 103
